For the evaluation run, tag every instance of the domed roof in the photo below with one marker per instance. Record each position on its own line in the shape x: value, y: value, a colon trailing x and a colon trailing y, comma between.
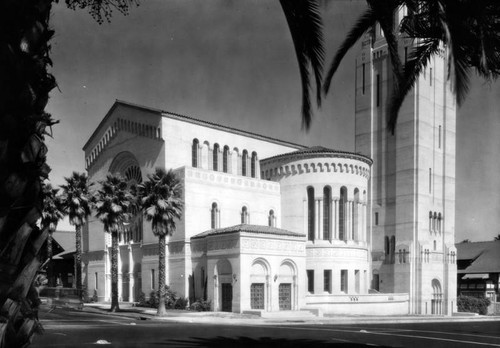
x: 320, y: 151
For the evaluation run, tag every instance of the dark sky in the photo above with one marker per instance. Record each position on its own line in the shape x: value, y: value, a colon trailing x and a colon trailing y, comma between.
x: 232, y: 62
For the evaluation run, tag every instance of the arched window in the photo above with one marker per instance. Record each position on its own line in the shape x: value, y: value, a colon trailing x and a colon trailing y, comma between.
x: 311, y: 212
x: 342, y: 213
x: 387, y: 246
x: 271, y: 219
x: 194, y: 153
x: 355, y: 215
x: 327, y: 207
x: 244, y: 215
x: 214, y: 216
x: 215, y: 155
x: 434, y: 222
x: 244, y: 160
x: 225, y: 155
x: 430, y: 221
x: 393, y: 248
x: 253, y: 164
x: 439, y: 222
x: 435, y: 245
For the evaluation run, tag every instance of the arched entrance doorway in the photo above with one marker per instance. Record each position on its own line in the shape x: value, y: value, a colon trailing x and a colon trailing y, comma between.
x: 259, y: 285
x: 287, y: 286
x: 224, y: 272
x: 437, y: 298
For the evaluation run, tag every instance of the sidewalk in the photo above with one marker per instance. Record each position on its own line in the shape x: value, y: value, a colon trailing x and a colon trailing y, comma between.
x: 141, y: 313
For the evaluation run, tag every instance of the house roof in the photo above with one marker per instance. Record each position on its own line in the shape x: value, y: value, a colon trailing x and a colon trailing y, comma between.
x: 316, y: 151
x: 484, y: 256
x: 190, y: 120
x: 248, y: 228
x: 66, y: 239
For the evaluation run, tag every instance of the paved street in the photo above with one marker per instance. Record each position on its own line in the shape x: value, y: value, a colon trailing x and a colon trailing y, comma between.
x: 83, y: 329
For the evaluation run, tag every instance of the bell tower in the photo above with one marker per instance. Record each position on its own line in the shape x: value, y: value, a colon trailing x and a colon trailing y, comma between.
x: 412, y: 186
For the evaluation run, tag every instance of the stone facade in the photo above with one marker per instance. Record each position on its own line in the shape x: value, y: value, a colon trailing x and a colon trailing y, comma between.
x: 412, y: 186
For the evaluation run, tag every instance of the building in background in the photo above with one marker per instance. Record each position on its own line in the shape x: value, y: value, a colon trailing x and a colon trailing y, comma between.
x: 479, y: 269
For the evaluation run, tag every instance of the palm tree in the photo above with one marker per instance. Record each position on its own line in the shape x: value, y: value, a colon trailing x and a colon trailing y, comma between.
x: 114, y: 206
x: 161, y: 202
x: 77, y: 201
x: 52, y: 212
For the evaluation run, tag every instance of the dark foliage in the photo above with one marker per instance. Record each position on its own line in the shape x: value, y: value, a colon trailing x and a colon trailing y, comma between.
x: 473, y: 304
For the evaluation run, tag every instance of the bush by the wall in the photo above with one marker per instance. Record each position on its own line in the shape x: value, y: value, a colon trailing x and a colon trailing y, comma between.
x: 201, y: 305
x: 473, y: 304
x: 181, y: 303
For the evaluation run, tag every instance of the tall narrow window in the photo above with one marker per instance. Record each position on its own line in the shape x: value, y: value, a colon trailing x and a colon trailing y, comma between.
x: 310, y: 281
x: 435, y: 245
x: 439, y: 137
x: 387, y: 246
x: 343, y: 281
x: 376, y: 218
x: 194, y: 153
x: 342, y: 213
x: 393, y: 248
x: 363, y: 78
x: 153, y: 279
x: 244, y: 163
x: 96, y: 278
x: 430, y: 76
x: 439, y: 222
x: 327, y: 281
x: 253, y: 164
x: 430, y: 221
x: 378, y: 90
x: 215, y: 154
x: 355, y: 215
x: 430, y: 180
x: 271, y: 219
x: 213, y: 215
x: 327, y: 206
x: 244, y: 215
x: 310, y: 213
x: 225, y: 155
x: 357, y: 281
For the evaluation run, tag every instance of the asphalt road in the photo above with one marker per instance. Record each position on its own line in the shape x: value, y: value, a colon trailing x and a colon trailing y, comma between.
x: 82, y: 329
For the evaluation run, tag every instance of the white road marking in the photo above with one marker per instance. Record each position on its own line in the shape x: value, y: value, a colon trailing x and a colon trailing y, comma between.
x: 424, y: 331
x: 398, y: 335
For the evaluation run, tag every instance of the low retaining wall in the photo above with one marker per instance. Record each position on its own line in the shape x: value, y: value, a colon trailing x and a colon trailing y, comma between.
x: 369, y: 304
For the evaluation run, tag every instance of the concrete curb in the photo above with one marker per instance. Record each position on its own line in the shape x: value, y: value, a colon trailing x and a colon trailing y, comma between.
x: 236, y: 319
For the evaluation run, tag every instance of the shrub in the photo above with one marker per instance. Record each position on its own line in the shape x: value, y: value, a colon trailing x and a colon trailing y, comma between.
x: 181, y: 303
x: 473, y: 304
x: 141, y: 300
x: 154, y: 299
x: 201, y: 306
x: 94, y: 298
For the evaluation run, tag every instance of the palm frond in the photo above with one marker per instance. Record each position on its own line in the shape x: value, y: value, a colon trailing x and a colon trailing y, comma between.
x: 304, y: 20
x: 363, y: 24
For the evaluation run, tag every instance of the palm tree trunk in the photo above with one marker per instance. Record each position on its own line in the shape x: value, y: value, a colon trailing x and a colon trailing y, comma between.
x: 24, y: 88
x: 50, y: 266
x: 114, y: 272
x: 161, y: 276
x: 78, y: 257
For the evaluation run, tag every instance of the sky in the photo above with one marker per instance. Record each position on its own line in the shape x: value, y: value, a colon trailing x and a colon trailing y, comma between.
x: 232, y: 62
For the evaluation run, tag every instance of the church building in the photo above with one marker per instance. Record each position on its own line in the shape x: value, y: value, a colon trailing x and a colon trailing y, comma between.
x: 269, y: 225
